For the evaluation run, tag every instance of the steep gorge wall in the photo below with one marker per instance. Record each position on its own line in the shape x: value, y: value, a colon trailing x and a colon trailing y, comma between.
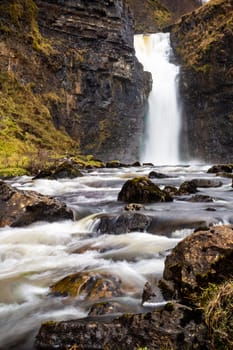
x: 203, y: 42
x: 77, y: 58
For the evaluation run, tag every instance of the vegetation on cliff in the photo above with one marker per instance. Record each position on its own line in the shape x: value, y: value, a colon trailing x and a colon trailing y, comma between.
x: 203, y: 39
x: 153, y: 15
x: 27, y: 131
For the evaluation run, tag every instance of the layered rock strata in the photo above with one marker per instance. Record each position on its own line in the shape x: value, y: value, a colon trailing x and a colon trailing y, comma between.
x: 105, y: 87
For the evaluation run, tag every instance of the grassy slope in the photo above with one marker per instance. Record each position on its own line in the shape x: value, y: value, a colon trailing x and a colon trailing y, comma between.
x: 26, y: 126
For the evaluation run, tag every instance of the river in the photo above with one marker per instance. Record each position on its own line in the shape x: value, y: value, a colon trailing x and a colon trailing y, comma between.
x: 34, y: 257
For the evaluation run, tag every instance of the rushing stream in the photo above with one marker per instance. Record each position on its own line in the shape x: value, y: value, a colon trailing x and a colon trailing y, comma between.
x: 34, y: 257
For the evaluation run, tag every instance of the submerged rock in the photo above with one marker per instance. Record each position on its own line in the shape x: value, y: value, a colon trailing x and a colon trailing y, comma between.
x: 20, y: 208
x: 206, y: 183
x: 142, y: 190
x: 156, y: 175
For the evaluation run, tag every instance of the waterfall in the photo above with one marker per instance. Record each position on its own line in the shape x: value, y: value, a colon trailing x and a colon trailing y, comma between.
x: 161, y: 144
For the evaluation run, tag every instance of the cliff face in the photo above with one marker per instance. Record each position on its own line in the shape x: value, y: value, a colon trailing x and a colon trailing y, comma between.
x: 203, y: 41
x: 77, y: 57
x: 153, y: 15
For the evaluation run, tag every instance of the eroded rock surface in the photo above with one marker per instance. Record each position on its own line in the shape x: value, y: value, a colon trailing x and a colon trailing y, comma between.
x: 20, y: 208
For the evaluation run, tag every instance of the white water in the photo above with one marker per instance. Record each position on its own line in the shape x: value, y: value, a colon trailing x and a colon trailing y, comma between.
x: 163, y: 121
x: 33, y: 258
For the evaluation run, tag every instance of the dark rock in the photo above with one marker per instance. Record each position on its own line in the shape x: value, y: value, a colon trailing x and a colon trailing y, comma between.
x: 199, y: 198
x: 205, y: 183
x: 155, y: 175
x: 63, y: 170
x: 187, y: 187
x: 20, y: 208
x: 171, y: 190
x: 126, y: 222
x: 105, y: 308
x: 163, y: 329
x: 115, y: 164
x: 227, y: 168
x: 147, y: 293
x: 142, y: 190
x: 90, y: 285
x: 206, y: 77
x: 202, y: 258
x: 133, y: 207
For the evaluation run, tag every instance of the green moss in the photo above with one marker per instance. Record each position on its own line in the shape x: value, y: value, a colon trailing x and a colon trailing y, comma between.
x: 200, y: 35
x: 11, y: 172
x: 20, y: 17
x: 26, y: 126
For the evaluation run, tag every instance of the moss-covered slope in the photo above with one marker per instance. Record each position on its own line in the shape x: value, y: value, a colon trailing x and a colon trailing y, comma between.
x: 26, y: 125
x: 153, y: 15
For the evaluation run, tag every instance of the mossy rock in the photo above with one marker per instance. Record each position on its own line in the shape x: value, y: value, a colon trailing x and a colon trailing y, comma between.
x: 91, y: 285
x: 142, y: 190
x: 202, y: 258
x: 63, y: 170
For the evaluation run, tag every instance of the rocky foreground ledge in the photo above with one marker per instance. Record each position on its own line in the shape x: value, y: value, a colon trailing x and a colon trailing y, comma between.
x: 20, y: 208
x: 198, y: 314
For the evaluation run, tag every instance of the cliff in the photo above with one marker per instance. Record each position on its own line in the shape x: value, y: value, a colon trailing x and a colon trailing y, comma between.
x: 70, y: 80
x: 152, y: 16
x: 203, y: 42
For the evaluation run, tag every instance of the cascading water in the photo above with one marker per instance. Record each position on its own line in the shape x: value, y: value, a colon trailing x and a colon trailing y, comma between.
x: 163, y: 123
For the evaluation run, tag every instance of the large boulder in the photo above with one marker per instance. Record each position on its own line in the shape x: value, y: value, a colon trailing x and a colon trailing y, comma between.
x: 142, y: 190
x: 20, y: 208
x: 123, y: 223
x: 203, y: 257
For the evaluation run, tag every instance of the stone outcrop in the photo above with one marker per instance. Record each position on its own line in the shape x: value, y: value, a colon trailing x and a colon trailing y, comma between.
x: 203, y: 42
x: 20, y: 208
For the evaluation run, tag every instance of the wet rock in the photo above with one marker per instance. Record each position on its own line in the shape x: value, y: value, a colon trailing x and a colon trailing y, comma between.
x: 142, y: 190
x: 63, y: 170
x: 226, y: 168
x: 123, y: 223
x: 199, y: 198
x: 133, y: 207
x: 171, y: 190
x: 115, y: 164
x: 202, y: 258
x: 105, y: 308
x: 20, y: 208
x: 89, y: 285
x: 206, y: 183
x: 187, y: 187
x: 168, y: 328
x: 155, y: 175
x: 147, y: 293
